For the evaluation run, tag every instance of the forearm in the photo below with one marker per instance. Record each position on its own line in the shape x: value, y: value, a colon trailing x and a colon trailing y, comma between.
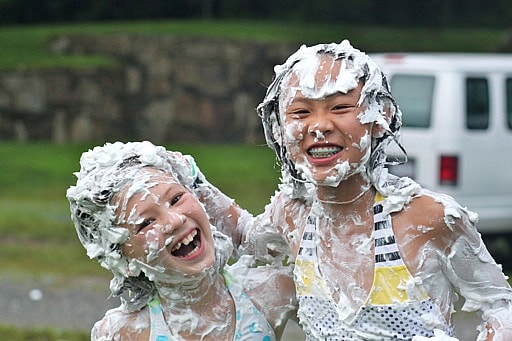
x: 224, y: 213
x: 250, y: 235
x: 484, y: 287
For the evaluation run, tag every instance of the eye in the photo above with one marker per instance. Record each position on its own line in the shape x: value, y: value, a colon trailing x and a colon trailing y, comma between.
x: 298, y: 113
x: 144, y: 224
x: 176, y: 198
x: 340, y: 107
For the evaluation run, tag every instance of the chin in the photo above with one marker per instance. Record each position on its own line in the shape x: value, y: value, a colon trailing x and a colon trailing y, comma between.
x: 331, y: 179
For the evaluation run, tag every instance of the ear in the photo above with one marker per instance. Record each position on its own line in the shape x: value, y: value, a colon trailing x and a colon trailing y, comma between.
x: 380, y: 127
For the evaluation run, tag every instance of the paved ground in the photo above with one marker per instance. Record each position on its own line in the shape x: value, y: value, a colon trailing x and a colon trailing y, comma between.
x: 30, y: 301
x: 48, y: 301
x: 76, y: 304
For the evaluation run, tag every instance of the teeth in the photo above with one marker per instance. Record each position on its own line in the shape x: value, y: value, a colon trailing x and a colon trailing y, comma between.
x: 185, y: 241
x: 323, y: 152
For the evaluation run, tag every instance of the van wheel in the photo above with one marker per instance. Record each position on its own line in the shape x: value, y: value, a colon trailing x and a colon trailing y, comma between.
x: 500, y: 247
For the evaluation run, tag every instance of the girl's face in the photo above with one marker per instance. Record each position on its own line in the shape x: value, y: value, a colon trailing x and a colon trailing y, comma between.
x: 323, y: 132
x: 169, y: 230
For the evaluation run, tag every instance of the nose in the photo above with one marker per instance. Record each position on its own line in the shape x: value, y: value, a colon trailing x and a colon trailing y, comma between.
x: 173, y: 221
x: 320, y: 126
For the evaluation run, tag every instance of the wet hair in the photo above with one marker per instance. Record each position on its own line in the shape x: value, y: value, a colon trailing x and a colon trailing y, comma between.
x: 105, y: 171
x: 375, y: 91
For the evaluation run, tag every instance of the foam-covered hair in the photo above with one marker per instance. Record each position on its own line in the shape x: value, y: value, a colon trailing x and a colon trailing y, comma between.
x: 104, y: 171
x: 356, y: 67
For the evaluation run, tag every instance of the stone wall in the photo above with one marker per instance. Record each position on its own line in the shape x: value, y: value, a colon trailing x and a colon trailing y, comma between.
x: 164, y: 89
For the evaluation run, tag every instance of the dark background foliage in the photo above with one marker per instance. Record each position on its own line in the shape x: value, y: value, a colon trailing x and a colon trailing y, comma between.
x: 394, y: 13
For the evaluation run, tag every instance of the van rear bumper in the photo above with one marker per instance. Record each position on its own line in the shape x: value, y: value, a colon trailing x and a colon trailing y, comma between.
x: 494, y: 219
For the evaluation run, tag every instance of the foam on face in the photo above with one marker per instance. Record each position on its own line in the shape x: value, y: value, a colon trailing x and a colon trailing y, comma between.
x: 300, y: 74
x: 101, y: 170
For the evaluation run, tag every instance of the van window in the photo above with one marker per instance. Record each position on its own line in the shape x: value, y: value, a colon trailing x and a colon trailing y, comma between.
x: 509, y: 101
x: 477, y: 103
x: 414, y: 94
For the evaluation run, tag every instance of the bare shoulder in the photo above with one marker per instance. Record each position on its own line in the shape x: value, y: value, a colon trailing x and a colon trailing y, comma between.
x: 117, y: 324
x: 427, y: 209
x: 424, y: 217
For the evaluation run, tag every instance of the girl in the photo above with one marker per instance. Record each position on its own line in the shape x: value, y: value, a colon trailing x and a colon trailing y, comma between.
x: 135, y: 213
x: 377, y: 257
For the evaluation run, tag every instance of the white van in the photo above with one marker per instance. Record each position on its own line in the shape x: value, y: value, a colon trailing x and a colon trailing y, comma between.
x: 457, y: 128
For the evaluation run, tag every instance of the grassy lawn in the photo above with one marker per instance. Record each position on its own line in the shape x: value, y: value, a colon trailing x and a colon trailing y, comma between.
x: 18, y: 334
x: 27, y: 46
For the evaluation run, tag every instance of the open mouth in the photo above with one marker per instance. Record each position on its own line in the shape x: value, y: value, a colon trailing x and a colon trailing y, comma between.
x: 188, y: 246
x: 324, y: 151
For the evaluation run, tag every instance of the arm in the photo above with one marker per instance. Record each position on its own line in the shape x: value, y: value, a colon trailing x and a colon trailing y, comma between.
x: 475, y: 274
x: 259, y: 236
x: 271, y: 289
x: 224, y: 213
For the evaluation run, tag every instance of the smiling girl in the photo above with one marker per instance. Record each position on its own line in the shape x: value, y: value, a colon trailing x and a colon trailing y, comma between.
x: 377, y: 257
x: 135, y: 212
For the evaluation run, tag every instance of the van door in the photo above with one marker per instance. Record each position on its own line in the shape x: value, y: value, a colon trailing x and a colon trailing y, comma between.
x: 415, y: 94
x: 486, y: 161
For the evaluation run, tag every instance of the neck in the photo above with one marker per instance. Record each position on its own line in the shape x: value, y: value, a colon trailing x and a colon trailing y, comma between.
x: 348, y: 208
x: 204, y: 310
x: 348, y: 192
x: 177, y: 297
x: 185, y: 294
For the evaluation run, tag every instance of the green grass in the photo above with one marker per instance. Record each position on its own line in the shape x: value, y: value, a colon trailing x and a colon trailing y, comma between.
x: 27, y: 46
x: 37, y: 334
x: 36, y: 232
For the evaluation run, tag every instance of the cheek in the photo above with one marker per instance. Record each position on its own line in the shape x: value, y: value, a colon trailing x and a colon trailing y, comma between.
x: 357, y: 132
x: 136, y: 247
x: 142, y: 245
x: 294, y: 132
x: 153, y: 245
x: 293, y: 135
x: 197, y: 213
x: 362, y: 143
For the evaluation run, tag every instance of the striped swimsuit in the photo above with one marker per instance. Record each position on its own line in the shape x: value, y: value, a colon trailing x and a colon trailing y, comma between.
x: 390, y: 311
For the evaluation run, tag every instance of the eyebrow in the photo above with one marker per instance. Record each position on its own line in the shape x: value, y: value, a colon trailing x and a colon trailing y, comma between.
x: 171, y: 188
x: 302, y: 99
